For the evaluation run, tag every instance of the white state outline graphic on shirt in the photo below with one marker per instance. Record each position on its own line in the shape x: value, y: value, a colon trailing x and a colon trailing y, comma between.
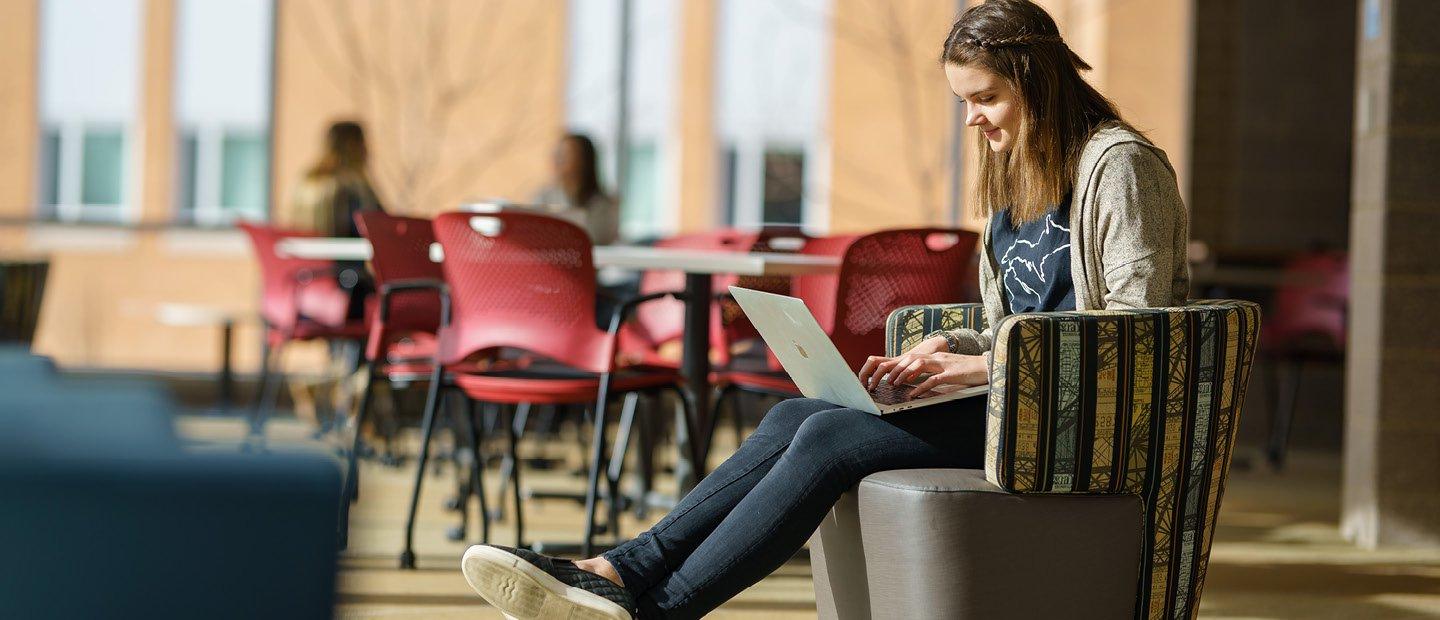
x: 1029, y: 266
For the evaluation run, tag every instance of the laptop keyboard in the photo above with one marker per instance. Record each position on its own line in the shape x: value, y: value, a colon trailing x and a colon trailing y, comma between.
x: 890, y: 394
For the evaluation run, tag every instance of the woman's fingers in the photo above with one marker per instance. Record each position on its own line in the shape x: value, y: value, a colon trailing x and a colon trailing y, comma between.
x: 903, y: 373
x: 881, y: 369
x: 922, y: 366
x: 898, y: 369
x: 868, y: 368
x: 934, y: 381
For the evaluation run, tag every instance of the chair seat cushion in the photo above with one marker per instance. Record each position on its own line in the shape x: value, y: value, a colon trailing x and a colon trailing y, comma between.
x: 550, y: 384
x: 945, y: 543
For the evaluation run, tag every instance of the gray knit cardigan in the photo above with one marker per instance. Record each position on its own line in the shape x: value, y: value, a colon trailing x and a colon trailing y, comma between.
x: 1129, y: 231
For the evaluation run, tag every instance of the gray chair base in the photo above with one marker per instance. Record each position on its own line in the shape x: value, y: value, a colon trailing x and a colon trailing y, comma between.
x: 945, y: 543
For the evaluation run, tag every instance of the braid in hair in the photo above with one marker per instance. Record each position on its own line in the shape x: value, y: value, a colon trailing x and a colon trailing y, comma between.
x: 1013, y: 41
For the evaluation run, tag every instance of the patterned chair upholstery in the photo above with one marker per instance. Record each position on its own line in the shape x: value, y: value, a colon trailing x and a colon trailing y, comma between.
x: 1096, y: 409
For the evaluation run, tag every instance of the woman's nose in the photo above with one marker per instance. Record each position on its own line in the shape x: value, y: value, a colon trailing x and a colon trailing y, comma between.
x: 973, y: 118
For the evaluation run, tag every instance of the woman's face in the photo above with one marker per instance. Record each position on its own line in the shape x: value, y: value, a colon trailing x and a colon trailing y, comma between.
x: 566, y: 159
x: 990, y: 104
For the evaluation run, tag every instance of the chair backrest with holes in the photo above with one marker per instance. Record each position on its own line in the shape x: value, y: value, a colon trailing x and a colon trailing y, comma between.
x: 401, y: 251
x: 521, y: 280
x: 880, y: 272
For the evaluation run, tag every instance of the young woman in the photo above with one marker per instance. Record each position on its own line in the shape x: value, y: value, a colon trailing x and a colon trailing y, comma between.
x: 576, y: 193
x: 1083, y: 214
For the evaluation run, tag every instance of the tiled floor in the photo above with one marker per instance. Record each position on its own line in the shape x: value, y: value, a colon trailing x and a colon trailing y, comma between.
x: 1277, y: 554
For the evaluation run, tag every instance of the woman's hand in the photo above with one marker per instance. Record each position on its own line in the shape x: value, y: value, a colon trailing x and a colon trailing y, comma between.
x: 926, y: 347
x: 943, y: 368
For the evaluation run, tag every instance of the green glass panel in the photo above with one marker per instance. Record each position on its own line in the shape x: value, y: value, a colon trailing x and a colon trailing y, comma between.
x: 102, y: 167
x: 189, y: 150
x: 784, y: 187
x: 50, y: 169
x: 641, y: 195
x: 242, y: 175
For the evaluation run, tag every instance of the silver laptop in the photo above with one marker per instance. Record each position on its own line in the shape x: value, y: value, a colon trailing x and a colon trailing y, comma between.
x: 816, y: 366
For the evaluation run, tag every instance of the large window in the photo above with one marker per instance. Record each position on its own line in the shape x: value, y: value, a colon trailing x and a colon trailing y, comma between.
x: 648, y: 206
x: 222, y: 98
x: 89, y: 76
x: 770, y: 111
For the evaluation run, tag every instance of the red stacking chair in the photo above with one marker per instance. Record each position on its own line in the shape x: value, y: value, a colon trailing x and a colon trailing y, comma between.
x: 1306, y: 325
x: 527, y: 281
x: 403, y: 333
x: 878, y: 273
x: 301, y: 299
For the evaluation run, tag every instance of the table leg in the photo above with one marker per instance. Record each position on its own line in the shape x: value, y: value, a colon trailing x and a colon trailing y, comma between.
x: 227, y: 372
x: 695, y: 363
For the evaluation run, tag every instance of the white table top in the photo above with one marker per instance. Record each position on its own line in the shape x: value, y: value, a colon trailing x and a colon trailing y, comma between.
x: 618, y: 256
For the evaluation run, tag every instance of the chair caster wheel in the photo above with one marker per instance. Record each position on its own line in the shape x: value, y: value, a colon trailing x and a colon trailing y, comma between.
x: 455, y: 533
x: 407, y: 560
x: 453, y: 503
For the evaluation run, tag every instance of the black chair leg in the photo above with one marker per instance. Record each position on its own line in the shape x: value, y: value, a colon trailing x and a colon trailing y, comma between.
x: 352, y: 484
x: 473, y: 484
x: 646, y: 456
x: 519, y: 419
x: 1287, y: 391
x: 477, y: 469
x: 690, y: 427
x: 269, y: 393
x: 597, y: 459
x: 407, y: 556
x: 617, y: 462
x: 517, y: 428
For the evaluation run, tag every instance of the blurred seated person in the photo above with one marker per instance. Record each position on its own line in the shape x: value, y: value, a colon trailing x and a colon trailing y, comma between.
x: 325, y: 202
x: 575, y: 193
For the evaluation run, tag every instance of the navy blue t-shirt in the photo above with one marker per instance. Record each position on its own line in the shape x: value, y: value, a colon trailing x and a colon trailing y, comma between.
x: 1034, y: 260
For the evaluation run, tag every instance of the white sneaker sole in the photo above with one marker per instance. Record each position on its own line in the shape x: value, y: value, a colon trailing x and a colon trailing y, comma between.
x: 522, y: 591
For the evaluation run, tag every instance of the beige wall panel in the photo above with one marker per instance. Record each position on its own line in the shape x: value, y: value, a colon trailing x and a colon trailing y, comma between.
x: 460, y: 99
x: 695, y: 121
x: 19, y: 20
x: 156, y: 147
x: 890, y: 115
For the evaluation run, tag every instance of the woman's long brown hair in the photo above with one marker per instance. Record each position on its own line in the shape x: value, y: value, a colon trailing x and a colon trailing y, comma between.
x: 1018, y: 41
x: 345, y: 152
x: 584, y: 184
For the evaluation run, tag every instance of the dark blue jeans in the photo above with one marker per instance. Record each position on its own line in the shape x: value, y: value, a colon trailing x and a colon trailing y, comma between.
x: 759, y: 507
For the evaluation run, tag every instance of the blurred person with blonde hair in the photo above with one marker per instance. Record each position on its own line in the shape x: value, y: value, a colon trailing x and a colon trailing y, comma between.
x: 325, y: 202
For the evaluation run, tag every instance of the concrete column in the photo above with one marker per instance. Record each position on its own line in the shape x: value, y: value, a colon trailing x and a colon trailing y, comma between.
x: 1392, y: 436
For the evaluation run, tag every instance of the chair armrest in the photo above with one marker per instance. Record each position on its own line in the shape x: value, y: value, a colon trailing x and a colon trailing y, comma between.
x: 623, y: 310
x: 907, y: 326
x: 441, y: 288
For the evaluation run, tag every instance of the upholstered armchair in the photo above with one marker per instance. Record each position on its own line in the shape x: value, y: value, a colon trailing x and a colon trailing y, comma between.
x: 1108, y: 440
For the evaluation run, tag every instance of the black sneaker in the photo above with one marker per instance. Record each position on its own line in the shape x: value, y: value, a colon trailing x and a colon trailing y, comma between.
x: 525, y: 585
